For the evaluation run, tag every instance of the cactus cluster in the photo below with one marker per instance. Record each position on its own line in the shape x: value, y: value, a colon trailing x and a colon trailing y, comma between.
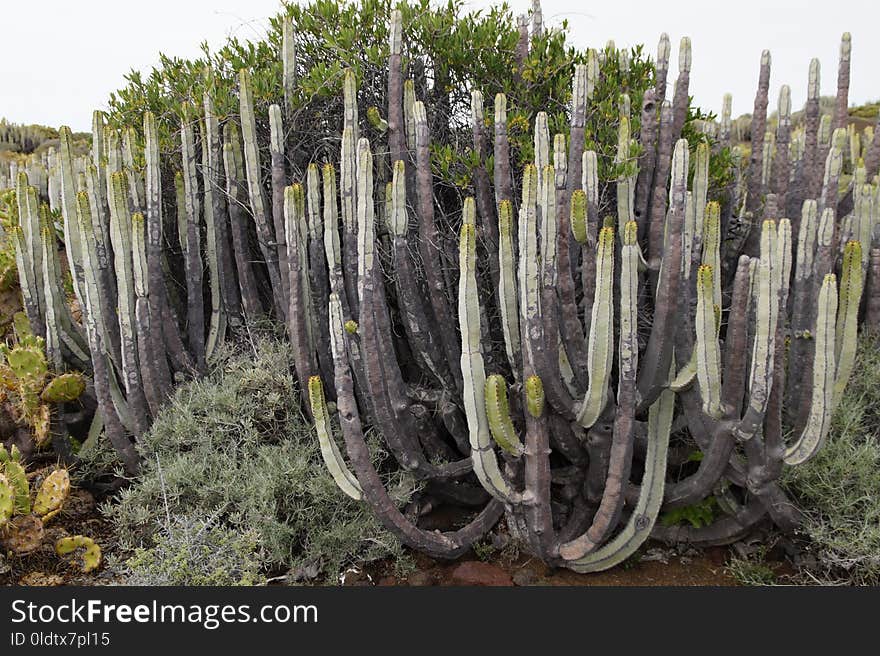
x: 24, y: 513
x: 31, y: 390
x: 587, y: 353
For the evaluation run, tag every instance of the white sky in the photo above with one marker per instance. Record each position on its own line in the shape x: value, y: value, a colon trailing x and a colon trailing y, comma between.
x: 60, y: 59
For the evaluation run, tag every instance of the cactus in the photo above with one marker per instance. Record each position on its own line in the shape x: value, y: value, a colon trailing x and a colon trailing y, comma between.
x: 490, y: 377
x: 25, y: 380
x: 22, y: 518
x: 52, y: 494
x: 16, y: 478
x: 7, y: 500
x: 91, y: 554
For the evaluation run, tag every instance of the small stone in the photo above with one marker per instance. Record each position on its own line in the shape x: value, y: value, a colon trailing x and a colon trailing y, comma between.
x: 420, y: 579
x: 716, y: 555
x: 477, y: 573
x: 525, y: 576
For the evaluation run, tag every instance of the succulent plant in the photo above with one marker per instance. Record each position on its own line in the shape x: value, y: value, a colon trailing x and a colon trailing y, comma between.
x: 90, y: 554
x: 31, y: 389
x: 524, y: 353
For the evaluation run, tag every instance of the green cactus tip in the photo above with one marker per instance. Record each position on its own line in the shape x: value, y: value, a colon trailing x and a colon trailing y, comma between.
x: 535, y: 396
x: 498, y: 415
x: 579, y: 215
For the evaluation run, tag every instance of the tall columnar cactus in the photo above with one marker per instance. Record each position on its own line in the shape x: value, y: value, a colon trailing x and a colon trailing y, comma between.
x: 195, y: 304
x: 841, y: 105
x: 265, y: 232
x: 539, y: 374
x: 756, y: 159
x: 121, y: 227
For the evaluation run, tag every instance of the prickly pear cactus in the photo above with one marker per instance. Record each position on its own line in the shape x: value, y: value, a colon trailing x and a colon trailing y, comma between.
x: 52, y: 495
x: 13, y: 470
x: 64, y: 388
x: 26, y: 381
x: 91, y: 552
x: 22, y: 534
x: 7, y: 500
x: 26, y: 359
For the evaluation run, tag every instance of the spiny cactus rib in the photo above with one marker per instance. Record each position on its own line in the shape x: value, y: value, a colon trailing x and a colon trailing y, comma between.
x: 429, y: 242
x: 396, y: 128
x: 30, y: 262
x: 590, y: 185
x: 147, y: 359
x: 658, y: 353
x: 420, y: 333
x: 641, y: 522
x: 502, y: 177
x: 279, y: 178
x: 507, y: 287
x: 157, y: 297
x: 767, y: 301
x: 101, y: 375
x: 485, y: 204
x: 662, y: 66
x: 448, y: 545
x: 498, y: 415
x: 348, y: 199
x: 288, y: 60
x: 217, y: 320
x: 297, y: 313
x: 657, y: 208
x: 781, y: 162
x: 756, y: 159
x: 682, y: 85
x: 707, y: 348
x: 849, y: 300
x: 474, y: 376
x: 601, y: 344
x: 68, y: 210
x: 265, y: 233
x: 26, y: 278
x: 121, y: 239
x: 621, y: 449
x: 73, y: 345
x: 626, y: 183
x: 712, y: 247
x: 824, y: 377
x: 332, y: 245
x: 232, y: 166
x: 346, y: 481
x: 317, y: 278
x: 841, y: 113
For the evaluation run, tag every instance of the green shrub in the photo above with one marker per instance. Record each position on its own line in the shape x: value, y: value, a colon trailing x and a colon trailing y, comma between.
x: 840, y: 488
x: 234, y: 447
x: 448, y: 50
x: 752, y: 569
x: 193, y: 551
x: 868, y: 110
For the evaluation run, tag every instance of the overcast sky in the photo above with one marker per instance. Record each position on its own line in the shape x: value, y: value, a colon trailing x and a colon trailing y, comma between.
x: 60, y: 59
